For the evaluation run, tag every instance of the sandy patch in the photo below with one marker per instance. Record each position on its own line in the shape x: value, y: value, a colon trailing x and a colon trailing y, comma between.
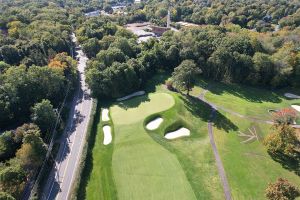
x: 107, y: 135
x: 296, y: 107
x: 154, y: 124
x: 178, y: 133
x: 291, y: 96
x: 104, y: 115
x: 139, y: 93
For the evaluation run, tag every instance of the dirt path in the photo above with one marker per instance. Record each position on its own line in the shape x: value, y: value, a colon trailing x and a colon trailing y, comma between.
x: 219, y: 163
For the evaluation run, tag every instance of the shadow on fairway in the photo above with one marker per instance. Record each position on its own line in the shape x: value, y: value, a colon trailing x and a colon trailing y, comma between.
x: 134, y: 102
x: 87, y: 168
x: 286, y: 162
x: 106, y: 176
x: 248, y: 93
x: 203, y: 110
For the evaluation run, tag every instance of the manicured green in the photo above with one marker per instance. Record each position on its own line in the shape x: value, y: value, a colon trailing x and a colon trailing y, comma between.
x: 248, y: 166
x: 193, y: 152
x: 143, y: 169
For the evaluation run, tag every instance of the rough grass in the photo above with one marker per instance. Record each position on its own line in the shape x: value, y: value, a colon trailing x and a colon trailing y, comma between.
x: 248, y: 166
x: 246, y: 100
x: 97, y: 181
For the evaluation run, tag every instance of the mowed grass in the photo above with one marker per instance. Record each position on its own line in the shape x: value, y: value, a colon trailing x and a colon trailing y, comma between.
x: 142, y: 168
x: 250, y: 101
x: 248, y: 166
x: 98, y: 182
x: 194, y: 152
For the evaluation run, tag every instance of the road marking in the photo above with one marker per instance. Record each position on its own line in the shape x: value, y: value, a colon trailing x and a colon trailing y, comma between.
x: 72, y: 124
x: 72, y: 144
x: 85, y: 130
x: 68, y: 134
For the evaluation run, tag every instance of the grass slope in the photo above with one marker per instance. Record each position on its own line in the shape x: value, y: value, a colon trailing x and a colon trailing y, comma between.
x: 193, y: 152
x: 142, y: 168
x: 248, y: 166
x: 246, y: 100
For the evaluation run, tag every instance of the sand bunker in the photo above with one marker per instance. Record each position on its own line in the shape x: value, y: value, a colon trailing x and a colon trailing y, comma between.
x: 291, y: 96
x: 139, y: 93
x: 178, y: 133
x: 104, y: 115
x: 296, y: 107
x: 107, y: 135
x: 154, y: 124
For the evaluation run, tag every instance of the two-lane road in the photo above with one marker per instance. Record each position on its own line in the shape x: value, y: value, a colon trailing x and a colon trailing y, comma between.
x: 63, y: 173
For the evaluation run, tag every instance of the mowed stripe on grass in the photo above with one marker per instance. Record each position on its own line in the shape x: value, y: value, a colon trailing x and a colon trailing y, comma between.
x: 142, y: 168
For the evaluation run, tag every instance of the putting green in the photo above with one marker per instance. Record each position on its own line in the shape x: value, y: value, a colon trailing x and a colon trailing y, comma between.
x: 143, y: 169
x: 137, y: 109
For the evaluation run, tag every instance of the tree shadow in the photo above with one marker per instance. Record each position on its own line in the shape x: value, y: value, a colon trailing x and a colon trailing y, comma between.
x: 155, y: 81
x: 252, y: 94
x: 286, y: 162
x: 203, y: 110
x: 133, y: 102
x: 88, y: 164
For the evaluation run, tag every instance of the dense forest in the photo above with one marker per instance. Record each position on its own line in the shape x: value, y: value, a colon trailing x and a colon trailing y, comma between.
x: 261, y: 15
x: 228, y: 54
x: 37, y: 73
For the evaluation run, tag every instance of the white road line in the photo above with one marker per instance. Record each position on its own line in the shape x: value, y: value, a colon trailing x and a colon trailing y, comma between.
x: 85, y: 130
x: 66, y: 142
x: 80, y: 110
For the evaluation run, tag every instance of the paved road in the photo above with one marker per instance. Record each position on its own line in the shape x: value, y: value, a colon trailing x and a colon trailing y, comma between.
x: 62, y: 175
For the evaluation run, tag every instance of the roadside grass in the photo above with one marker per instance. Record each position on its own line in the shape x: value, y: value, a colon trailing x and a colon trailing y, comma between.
x: 142, y: 168
x: 250, y: 101
x: 248, y: 166
x: 97, y: 179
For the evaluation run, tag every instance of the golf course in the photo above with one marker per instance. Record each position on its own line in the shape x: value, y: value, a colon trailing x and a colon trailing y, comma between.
x: 158, y: 147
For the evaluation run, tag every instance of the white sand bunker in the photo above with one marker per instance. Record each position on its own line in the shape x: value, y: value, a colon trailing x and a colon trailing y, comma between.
x: 291, y: 96
x: 104, y: 115
x: 107, y: 135
x: 178, y: 133
x: 296, y: 107
x: 154, y: 124
x: 139, y: 93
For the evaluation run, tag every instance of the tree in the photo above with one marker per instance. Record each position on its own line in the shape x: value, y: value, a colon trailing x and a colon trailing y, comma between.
x: 7, y: 148
x: 26, y: 129
x: 12, y: 180
x: 284, y: 116
x: 283, y: 142
x: 3, y: 67
x: 32, y: 152
x: 264, y: 67
x: 111, y: 55
x: 6, y: 196
x: 184, y: 76
x: 9, y: 54
x: 43, y: 115
x: 282, y: 190
x: 91, y: 47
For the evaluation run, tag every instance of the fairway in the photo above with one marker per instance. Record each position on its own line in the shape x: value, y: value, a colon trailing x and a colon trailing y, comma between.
x: 248, y: 166
x: 142, y: 168
x: 245, y: 100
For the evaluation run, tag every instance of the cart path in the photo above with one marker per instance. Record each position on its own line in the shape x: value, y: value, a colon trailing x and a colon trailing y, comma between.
x: 219, y: 163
